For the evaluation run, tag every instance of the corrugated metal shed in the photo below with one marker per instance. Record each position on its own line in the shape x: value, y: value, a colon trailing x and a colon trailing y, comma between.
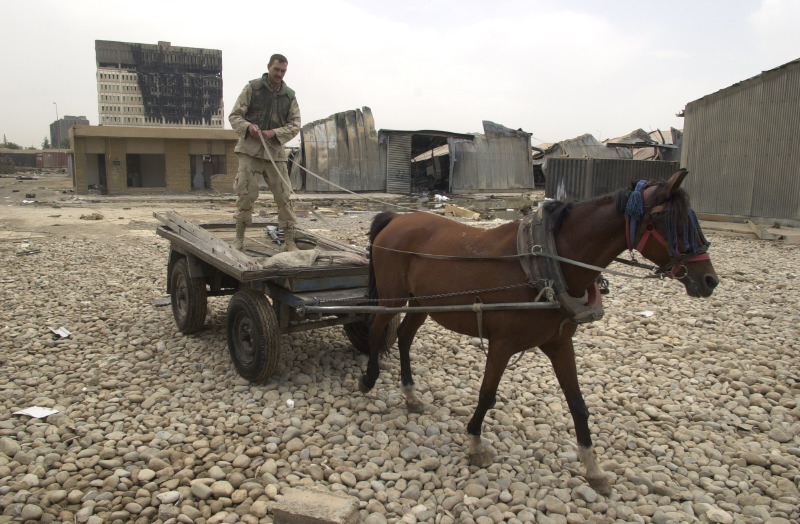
x: 343, y: 149
x: 398, y: 148
x: 740, y: 147
x: 499, y: 160
x: 573, y: 179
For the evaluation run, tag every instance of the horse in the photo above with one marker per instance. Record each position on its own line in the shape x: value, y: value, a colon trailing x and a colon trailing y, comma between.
x: 421, y: 259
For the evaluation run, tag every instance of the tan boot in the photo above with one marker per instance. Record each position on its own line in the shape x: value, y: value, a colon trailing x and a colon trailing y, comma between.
x: 238, y: 242
x: 288, y: 239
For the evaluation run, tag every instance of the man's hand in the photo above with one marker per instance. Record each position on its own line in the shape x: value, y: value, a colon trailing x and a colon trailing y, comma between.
x: 268, y: 133
x: 253, y: 130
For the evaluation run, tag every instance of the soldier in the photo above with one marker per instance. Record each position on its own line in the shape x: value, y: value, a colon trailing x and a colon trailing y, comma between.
x: 269, y: 107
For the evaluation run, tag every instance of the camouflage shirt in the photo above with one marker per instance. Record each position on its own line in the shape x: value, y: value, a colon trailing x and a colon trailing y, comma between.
x: 252, y: 145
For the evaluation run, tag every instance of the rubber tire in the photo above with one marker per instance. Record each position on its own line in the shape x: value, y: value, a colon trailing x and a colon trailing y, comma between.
x: 253, y: 335
x: 358, y: 335
x: 189, y: 299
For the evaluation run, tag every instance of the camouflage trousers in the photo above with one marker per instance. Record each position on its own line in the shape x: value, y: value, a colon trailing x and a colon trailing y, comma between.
x: 246, y: 186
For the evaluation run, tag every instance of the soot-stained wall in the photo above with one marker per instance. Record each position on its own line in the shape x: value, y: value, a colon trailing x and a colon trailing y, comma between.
x: 178, y: 84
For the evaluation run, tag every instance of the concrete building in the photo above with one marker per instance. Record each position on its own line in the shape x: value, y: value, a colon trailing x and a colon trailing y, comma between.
x: 158, y: 85
x: 129, y: 160
x: 59, y: 130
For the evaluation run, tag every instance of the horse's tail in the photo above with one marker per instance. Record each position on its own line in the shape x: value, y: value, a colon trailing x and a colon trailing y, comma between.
x: 380, y: 221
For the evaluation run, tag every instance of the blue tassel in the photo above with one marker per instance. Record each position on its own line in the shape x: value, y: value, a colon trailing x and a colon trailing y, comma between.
x: 634, y: 208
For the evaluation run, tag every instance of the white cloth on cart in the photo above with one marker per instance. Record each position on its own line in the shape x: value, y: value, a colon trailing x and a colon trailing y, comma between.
x: 315, y: 258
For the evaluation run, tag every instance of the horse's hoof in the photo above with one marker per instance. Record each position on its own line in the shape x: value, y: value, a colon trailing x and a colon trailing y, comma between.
x: 600, y: 484
x: 362, y: 385
x: 481, y: 459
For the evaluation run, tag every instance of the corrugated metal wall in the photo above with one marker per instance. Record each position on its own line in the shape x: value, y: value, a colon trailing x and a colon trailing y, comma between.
x: 491, y: 163
x: 343, y: 149
x: 740, y: 147
x: 398, y: 163
x: 572, y: 179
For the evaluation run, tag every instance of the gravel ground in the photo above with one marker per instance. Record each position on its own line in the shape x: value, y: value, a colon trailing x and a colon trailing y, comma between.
x: 694, y: 404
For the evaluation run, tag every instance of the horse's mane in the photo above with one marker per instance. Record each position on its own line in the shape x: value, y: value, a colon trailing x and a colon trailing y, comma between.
x: 683, y: 229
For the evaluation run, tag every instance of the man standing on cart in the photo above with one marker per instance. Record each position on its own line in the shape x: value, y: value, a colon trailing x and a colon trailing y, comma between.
x: 265, y: 107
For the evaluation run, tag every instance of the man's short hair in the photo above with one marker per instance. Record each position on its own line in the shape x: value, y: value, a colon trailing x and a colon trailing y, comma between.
x: 277, y: 57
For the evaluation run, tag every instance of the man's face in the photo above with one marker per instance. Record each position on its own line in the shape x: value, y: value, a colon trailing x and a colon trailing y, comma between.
x: 276, y: 70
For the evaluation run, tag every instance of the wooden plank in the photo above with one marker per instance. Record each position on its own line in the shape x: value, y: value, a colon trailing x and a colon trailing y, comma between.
x: 760, y: 231
x: 720, y: 218
x: 205, y: 240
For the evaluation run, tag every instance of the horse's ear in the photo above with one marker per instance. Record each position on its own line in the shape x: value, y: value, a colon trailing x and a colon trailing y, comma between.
x: 674, y: 181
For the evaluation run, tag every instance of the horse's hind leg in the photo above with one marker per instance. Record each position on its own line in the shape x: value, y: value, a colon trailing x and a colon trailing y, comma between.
x: 405, y: 335
x: 562, y: 357
x: 480, y: 455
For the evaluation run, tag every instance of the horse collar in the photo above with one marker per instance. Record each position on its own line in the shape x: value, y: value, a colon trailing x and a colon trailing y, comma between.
x: 535, y: 232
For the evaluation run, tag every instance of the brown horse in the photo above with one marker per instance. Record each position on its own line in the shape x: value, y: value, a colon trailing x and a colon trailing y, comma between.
x: 421, y: 259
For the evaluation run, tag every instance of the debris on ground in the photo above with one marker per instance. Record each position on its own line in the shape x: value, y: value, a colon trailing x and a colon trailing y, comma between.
x: 458, y: 211
x: 92, y: 216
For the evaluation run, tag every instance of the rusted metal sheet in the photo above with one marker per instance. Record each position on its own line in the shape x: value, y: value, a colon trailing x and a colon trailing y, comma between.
x: 739, y: 146
x: 342, y: 149
x: 572, y: 179
x: 499, y: 160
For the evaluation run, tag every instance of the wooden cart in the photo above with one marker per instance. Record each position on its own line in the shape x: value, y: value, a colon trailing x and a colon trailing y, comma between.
x: 265, y: 302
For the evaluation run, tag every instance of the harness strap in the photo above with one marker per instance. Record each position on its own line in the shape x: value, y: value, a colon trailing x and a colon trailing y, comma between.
x: 535, y: 237
x: 476, y: 307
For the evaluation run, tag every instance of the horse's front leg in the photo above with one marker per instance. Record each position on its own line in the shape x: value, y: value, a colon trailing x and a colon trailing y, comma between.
x: 377, y: 328
x: 480, y: 455
x: 405, y: 335
x: 562, y: 357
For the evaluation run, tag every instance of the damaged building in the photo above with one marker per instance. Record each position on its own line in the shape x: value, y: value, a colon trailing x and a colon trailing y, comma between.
x: 655, y: 145
x: 583, y: 167
x: 348, y: 151
x: 158, y: 85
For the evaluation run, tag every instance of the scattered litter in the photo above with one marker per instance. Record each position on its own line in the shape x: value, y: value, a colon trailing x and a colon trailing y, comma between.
x: 36, y: 412
x: 162, y: 301
x: 29, y: 201
x: 645, y: 313
x: 62, y: 332
x: 458, y: 211
x: 30, y: 195
x: 440, y: 198
x: 290, y: 403
x: 92, y: 216
x: 28, y: 252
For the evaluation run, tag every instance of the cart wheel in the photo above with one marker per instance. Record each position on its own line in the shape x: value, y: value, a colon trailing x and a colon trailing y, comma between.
x: 253, y: 335
x: 189, y: 299
x: 358, y: 334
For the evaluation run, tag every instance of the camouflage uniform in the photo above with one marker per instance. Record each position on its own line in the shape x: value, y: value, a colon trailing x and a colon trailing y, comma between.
x: 279, y: 111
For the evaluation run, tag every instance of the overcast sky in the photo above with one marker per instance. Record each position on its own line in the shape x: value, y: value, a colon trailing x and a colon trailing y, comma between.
x: 555, y: 68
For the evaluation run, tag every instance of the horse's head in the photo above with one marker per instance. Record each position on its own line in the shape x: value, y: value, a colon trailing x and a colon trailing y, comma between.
x: 667, y: 233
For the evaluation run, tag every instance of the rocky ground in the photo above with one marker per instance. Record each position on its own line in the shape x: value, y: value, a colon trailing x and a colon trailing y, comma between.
x: 694, y: 402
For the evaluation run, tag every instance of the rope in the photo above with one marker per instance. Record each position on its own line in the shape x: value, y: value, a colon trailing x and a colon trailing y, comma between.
x: 354, y: 193
x: 364, y: 300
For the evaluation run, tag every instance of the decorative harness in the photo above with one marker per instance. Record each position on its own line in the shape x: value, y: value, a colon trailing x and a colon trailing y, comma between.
x: 535, y: 237
x: 635, y: 210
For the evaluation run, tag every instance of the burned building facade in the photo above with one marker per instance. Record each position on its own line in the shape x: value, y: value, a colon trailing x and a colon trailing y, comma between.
x: 158, y: 85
